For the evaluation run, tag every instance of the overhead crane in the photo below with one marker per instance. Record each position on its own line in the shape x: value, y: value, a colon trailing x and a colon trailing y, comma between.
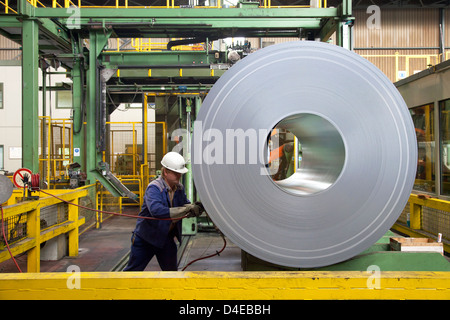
x: 58, y: 34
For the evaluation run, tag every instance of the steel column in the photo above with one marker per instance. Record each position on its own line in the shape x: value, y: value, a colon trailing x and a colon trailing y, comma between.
x: 92, y: 74
x: 344, y: 35
x: 77, y: 100
x: 30, y: 92
x: 442, y: 33
x: 198, y: 105
x: 97, y: 41
x: 145, y: 130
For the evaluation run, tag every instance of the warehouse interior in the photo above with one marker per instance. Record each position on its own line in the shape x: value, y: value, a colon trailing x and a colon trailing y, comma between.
x: 94, y: 93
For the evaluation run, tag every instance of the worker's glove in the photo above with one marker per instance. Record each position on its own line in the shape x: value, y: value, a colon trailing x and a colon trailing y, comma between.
x: 178, y: 212
x: 194, y: 210
x: 202, y: 208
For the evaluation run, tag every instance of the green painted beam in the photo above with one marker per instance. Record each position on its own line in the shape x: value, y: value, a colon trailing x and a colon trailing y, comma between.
x: 78, y: 117
x: 205, y: 22
x: 30, y: 91
x: 25, y: 9
x: 134, y: 64
x: 169, y: 72
x: 47, y: 26
x: 98, y: 40
x: 211, y: 14
x: 91, y: 88
x: 187, y: 31
x: 167, y: 88
x: 55, y: 36
x: 218, y: 22
x: 58, y: 36
x: 328, y: 29
x: 162, y: 59
x: 186, y: 27
x: 10, y: 21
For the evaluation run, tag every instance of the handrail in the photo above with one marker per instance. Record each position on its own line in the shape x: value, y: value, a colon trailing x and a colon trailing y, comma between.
x: 35, y: 233
x: 54, y: 161
x: 414, y: 222
x: 51, y: 158
x: 431, y: 59
x: 126, y: 181
x: 7, y: 7
x: 139, y: 45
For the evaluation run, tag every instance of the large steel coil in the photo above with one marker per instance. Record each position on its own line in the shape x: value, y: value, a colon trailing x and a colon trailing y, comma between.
x: 359, y: 154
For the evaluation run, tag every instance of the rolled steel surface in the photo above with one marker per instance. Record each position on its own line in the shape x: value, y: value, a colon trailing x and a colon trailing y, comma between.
x: 359, y: 154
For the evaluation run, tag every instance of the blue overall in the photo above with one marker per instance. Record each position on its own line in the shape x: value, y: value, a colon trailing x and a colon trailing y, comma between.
x: 156, y: 237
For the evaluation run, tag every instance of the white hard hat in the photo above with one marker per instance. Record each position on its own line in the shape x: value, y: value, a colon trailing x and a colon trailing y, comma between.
x: 174, y: 161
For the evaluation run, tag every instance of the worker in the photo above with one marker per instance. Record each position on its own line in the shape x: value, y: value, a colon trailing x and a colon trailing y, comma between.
x: 286, y: 162
x: 165, y: 200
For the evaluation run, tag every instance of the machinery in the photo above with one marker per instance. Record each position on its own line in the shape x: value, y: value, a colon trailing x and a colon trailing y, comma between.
x: 77, y: 178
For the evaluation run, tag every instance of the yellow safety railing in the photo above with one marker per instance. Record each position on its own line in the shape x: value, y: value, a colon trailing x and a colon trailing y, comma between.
x: 145, y: 180
x: 405, y: 59
x: 131, y: 181
x: 419, y: 209
x: 105, y: 202
x: 268, y: 4
x: 59, y: 151
x: 125, y: 154
x: 117, y: 206
x: 126, y: 162
x: 27, y: 220
x: 139, y: 44
x: 5, y: 4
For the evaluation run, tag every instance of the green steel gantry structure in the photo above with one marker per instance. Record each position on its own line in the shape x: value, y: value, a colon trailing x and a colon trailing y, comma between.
x: 61, y: 34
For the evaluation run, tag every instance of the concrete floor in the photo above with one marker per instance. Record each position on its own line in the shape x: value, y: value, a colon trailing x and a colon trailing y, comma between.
x: 208, y: 243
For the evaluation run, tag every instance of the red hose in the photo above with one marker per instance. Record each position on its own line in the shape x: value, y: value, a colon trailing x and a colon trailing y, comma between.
x: 35, y: 181
x: 109, y: 212
x: 210, y: 256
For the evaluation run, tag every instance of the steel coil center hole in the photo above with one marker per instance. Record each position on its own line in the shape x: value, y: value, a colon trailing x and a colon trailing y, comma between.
x: 306, y: 154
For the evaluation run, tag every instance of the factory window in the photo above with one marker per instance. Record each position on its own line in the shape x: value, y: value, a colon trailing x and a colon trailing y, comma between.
x: 423, y: 118
x: 1, y: 95
x: 444, y: 116
x: 64, y: 99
